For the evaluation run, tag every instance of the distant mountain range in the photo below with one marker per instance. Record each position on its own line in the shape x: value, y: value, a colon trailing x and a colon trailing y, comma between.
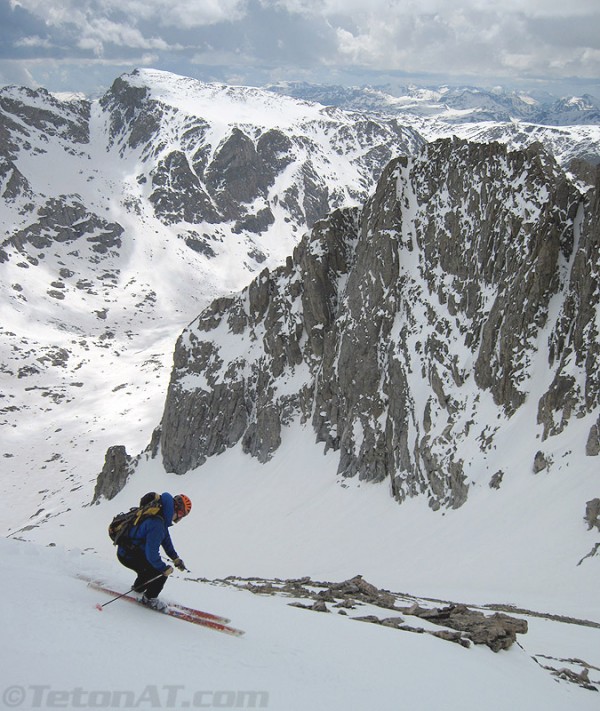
x: 453, y: 104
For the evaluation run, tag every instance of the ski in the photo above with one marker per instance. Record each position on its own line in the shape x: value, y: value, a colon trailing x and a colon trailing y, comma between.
x: 181, y: 612
x: 201, y: 613
x: 182, y: 608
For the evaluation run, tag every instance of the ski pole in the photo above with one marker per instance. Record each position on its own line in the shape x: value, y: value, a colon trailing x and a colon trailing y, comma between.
x: 99, y: 606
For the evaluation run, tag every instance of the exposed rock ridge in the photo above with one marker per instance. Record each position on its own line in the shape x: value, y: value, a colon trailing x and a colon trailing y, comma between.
x: 389, y: 326
x: 458, y: 623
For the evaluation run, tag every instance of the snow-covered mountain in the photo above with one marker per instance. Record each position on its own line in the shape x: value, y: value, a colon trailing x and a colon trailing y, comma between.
x: 454, y: 104
x: 393, y: 374
x: 568, y: 127
x: 124, y: 217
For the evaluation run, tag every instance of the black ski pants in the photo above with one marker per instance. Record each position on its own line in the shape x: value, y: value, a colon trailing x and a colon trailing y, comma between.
x: 134, y: 559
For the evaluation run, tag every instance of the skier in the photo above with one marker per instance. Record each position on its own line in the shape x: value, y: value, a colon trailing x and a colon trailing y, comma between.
x: 140, y: 551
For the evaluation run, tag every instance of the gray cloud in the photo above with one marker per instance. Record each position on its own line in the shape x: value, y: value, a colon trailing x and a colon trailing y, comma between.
x: 261, y: 40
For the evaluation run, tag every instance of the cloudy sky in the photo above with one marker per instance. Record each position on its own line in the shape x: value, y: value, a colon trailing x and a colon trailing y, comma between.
x: 83, y: 45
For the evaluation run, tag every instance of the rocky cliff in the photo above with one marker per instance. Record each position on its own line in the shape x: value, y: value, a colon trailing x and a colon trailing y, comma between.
x: 412, y: 332
x: 122, y: 217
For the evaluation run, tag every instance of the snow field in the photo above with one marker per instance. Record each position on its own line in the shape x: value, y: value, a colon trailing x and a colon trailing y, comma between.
x: 64, y: 652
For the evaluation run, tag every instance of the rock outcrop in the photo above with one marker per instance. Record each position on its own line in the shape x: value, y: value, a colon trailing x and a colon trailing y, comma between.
x: 470, y: 268
x: 592, y: 514
x: 118, y: 465
x: 453, y: 622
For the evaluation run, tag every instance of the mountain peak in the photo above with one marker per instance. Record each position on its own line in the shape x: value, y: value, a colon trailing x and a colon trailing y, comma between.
x: 214, y: 102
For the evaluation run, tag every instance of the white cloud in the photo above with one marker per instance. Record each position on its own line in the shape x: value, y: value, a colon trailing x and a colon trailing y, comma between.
x: 191, y: 13
x: 514, y: 39
x: 103, y: 30
x: 529, y: 8
x: 17, y: 73
x: 33, y: 41
x: 477, y: 36
x: 182, y: 13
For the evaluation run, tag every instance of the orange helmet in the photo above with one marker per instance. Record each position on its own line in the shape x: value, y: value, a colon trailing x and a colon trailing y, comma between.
x: 183, y: 506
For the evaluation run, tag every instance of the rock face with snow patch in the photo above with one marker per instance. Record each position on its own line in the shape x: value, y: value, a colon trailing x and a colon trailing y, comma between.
x: 139, y: 208
x: 410, y: 334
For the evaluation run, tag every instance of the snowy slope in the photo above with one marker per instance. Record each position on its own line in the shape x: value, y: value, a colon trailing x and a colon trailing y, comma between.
x: 295, y: 516
x: 125, y: 657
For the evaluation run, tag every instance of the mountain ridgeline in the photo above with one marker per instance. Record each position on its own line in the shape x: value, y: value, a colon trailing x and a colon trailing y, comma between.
x: 412, y: 335
x: 209, y: 166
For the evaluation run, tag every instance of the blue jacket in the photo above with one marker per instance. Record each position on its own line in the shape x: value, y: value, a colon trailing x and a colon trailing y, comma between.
x: 152, y: 533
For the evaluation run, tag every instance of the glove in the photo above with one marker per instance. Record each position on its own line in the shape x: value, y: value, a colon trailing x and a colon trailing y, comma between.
x: 178, y: 563
x: 167, y: 571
